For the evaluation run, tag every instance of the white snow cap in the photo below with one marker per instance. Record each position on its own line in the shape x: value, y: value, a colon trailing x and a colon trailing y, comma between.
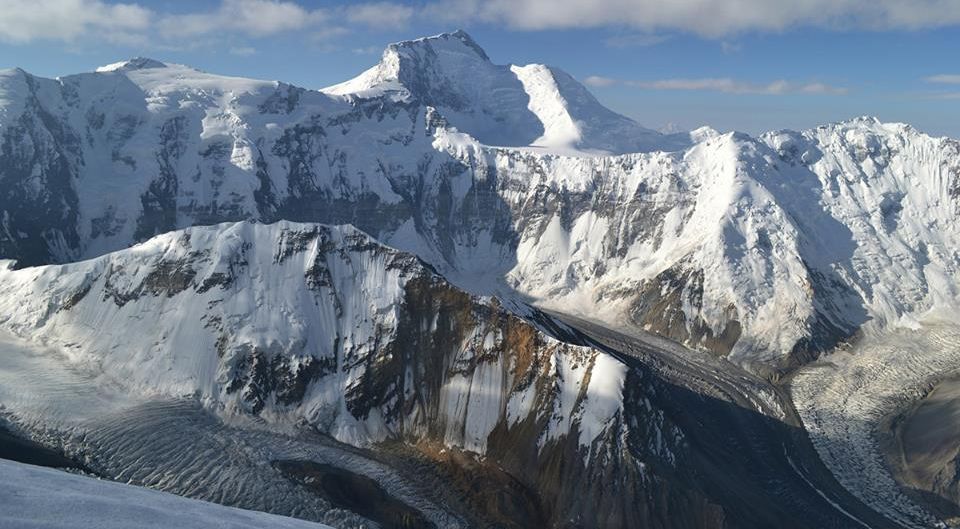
x: 137, y: 63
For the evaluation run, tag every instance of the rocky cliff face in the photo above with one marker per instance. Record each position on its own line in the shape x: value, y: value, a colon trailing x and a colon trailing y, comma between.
x: 764, y: 250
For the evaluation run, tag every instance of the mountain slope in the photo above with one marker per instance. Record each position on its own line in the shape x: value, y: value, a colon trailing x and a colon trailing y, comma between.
x: 303, y: 321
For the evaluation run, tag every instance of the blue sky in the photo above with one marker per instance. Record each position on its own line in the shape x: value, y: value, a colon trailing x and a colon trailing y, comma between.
x: 750, y: 65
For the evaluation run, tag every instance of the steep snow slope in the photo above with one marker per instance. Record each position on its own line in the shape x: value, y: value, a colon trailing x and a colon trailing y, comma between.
x: 766, y: 250
x: 882, y: 213
x: 43, y: 498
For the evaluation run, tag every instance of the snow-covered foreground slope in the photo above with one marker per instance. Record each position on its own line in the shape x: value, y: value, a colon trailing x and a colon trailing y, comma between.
x: 42, y: 498
x: 766, y: 250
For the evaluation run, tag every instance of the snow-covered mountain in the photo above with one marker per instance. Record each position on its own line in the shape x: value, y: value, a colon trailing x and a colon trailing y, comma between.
x: 765, y: 250
x: 176, y: 233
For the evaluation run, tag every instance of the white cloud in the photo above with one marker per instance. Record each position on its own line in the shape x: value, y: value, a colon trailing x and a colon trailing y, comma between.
x: 243, y: 51
x: 598, y: 81
x: 328, y: 33
x: 720, y: 84
x: 380, y: 14
x: 636, y: 40
x: 256, y: 18
x: 731, y: 86
x: 821, y: 88
x: 730, y: 47
x: 368, y: 50
x: 944, y: 79
x: 711, y: 18
x: 23, y: 21
x: 66, y: 20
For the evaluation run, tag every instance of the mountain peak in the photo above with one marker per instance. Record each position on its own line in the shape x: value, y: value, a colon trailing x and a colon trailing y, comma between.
x: 455, y: 42
x: 501, y: 105
x: 422, y: 69
x: 136, y: 63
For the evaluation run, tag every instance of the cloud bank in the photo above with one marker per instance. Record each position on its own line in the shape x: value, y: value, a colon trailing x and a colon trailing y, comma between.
x: 709, y: 18
x: 24, y: 21
x: 944, y: 79
x: 125, y: 20
x: 27, y: 20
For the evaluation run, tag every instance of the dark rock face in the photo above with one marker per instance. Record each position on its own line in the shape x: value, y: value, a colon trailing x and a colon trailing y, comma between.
x: 565, y: 483
x: 169, y: 278
x: 40, y: 157
x: 260, y: 376
x: 160, y: 200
